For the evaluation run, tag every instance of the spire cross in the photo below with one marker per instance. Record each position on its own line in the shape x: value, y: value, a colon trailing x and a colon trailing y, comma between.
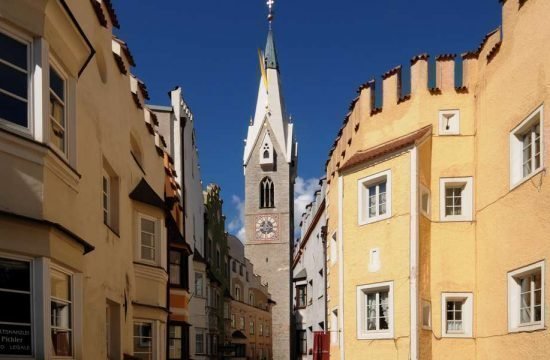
x: 270, y: 4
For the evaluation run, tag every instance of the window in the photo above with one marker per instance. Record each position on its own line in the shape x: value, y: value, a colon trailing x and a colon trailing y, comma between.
x: 175, y: 339
x: 456, y: 199
x: 15, y: 76
x: 251, y: 327
x: 110, y: 197
x: 112, y: 329
x: 375, y: 315
x: 301, y: 340
x: 148, y: 238
x: 218, y: 258
x: 16, y: 294
x: 267, y: 329
x: 233, y: 321
x: 375, y: 197
x: 241, y: 268
x: 61, y: 313
x: 301, y: 296
x: 456, y: 314
x: 175, y: 267
x: 143, y: 340
x: 58, y: 137
x: 247, y: 276
x: 234, y: 266
x: 199, y: 284
x: 267, y: 193
x: 237, y: 293
x: 251, y: 298
x: 261, y: 329
x: 199, y: 341
x: 526, y: 148
x: 526, y: 298
x: 241, y: 323
x: 426, y: 315
x: 449, y: 122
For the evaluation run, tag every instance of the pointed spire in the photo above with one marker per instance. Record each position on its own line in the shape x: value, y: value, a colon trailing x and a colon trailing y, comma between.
x: 270, y: 52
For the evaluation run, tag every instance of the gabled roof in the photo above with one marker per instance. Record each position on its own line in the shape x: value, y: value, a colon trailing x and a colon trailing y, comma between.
x: 386, y: 148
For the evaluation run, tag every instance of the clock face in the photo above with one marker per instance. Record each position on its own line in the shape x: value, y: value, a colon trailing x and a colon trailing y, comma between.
x: 266, y: 227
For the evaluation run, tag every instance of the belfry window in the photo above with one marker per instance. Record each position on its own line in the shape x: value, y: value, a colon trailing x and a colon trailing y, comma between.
x: 267, y: 193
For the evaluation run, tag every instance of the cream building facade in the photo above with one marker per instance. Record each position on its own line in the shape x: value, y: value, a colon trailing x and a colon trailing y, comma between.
x: 437, y: 203
x: 83, y: 216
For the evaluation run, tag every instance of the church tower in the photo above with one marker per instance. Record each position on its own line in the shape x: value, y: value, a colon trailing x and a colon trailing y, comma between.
x: 270, y: 170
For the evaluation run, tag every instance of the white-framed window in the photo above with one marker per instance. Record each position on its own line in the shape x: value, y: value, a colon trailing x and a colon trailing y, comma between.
x: 16, y: 292
x: 199, y: 284
x: 199, y: 341
x: 449, y: 122
x: 251, y: 327
x: 375, y: 311
x: 527, y: 148
x: 251, y: 300
x: 149, y: 238
x: 334, y: 327
x: 456, y: 199
x: 143, y: 339
x: 426, y: 315
x: 374, y: 197
x: 456, y: 314
x: 526, y: 298
x: 425, y: 201
x: 237, y: 292
x: 58, y: 109
x: 15, y: 89
x: 61, y: 319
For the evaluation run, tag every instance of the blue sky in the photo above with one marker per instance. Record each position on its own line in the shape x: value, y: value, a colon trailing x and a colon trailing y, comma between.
x: 326, y: 50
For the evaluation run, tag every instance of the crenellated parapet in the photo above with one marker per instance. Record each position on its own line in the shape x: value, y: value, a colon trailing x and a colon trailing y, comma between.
x: 441, y: 77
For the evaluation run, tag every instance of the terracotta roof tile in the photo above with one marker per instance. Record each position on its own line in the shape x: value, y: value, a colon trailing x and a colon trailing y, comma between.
x: 444, y: 57
x: 391, y: 72
x: 418, y: 57
x: 385, y: 148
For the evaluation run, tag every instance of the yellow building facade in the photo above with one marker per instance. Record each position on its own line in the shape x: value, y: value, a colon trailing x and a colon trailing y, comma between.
x: 437, y: 223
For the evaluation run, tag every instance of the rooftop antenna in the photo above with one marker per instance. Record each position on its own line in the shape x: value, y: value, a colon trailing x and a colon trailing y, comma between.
x: 271, y: 13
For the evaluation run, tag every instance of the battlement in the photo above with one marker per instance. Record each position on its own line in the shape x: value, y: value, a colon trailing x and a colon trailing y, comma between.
x: 446, y: 74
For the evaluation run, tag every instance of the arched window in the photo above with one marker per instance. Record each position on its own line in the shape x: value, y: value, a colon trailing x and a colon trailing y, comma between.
x: 266, y: 154
x: 267, y: 193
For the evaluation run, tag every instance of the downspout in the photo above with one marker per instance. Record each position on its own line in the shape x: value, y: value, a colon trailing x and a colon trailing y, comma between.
x: 413, y: 253
x: 340, y: 268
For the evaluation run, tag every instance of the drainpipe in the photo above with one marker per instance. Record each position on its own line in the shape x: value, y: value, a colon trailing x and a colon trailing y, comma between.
x: 413, y: 253
x: 341, y: 268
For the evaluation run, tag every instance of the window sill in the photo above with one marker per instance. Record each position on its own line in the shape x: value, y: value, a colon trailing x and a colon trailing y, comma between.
x: 457, y: 336
x: 527, y: 328
x: 376, y: 336
x: 374, y: 219
x: 527, y: 178
x: 452, y: 219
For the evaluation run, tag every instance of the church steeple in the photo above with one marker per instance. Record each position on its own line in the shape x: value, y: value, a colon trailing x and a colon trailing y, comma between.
x: 271, y: 52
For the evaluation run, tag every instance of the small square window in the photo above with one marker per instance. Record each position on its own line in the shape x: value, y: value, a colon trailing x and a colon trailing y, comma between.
x: 527, y: 148
x: 374, y: 197
x: 456, y: 199
x: 449, y: 122
x: 375, y: 315
x: 525, y: 298
x: 456, y: 314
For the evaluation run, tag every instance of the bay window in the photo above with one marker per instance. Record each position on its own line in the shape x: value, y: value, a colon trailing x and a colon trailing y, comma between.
x: 14, y: 81
x: 61, y: 313
x: 175, y: 341
x: 143, y: 340
x: 58, y: 110
x: 15, y: 312
x: 149, y: 239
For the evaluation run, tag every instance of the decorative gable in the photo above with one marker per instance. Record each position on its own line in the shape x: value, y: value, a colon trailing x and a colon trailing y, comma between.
x: 266, y: 152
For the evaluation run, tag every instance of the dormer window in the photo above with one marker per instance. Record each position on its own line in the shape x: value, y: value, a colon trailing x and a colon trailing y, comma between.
x: 267, y: 193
